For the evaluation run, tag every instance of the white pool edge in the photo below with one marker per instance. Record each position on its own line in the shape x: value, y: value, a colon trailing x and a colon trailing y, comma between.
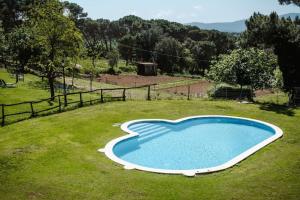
x: 108, y: 150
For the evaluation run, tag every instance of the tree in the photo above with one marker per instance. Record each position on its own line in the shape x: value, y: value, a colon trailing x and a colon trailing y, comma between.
x: 202, y: 53
x: 169, y: 52
x: 13, y: 12
x: 132, y: 24
x: 3, y: 48
x: 57, y: 37
x: 21, y: 48
x: 171, y: 29
x: 198, y: 35
x: 102, y: 31
x: 251, y: 67
x: 113, y: 59
x: 74, y: 11
x: 93, y: 37
x: 296, y: 2
x: 114, y: 32
x: 146, y: 41
x: 281, y: 35
x: 126, y: 47
x: 224, y: 42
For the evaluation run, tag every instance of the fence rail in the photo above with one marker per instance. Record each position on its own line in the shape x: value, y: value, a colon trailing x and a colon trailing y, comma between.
x: 63, y: 102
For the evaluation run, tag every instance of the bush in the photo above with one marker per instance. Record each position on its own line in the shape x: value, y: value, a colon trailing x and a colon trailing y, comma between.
x: 113, y: 71
x: 228, y: 92
x: 128, y: 69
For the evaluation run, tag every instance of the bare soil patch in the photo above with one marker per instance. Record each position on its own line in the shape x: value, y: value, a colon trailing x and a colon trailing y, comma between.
x: 259, y: 93
x: 199, y: 89
x: 136, y: 80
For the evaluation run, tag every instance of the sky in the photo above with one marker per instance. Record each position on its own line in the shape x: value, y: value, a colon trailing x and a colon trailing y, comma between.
x: 183, y: 11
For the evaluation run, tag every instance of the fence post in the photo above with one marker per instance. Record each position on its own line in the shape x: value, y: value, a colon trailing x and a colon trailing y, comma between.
x: 65, y: 100
x: 3, y: 116
x: 80, y: 96
x: 32, y: 110
x: 124, y: 94
x: 149, y: 95
x: 101, y: 96
x: 59, y: 103
x: 189, y: 91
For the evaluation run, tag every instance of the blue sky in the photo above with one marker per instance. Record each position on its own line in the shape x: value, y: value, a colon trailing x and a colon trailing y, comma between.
x: 183, y: 10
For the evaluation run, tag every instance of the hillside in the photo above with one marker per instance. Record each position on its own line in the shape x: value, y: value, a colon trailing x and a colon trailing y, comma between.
x: 234, y: 27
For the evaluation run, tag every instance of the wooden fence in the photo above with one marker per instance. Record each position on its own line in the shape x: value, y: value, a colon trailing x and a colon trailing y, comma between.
x: 63, y: 103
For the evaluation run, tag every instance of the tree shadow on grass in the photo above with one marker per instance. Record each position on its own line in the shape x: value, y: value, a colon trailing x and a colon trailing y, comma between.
x: 38, y: 84
x: 277, y: 108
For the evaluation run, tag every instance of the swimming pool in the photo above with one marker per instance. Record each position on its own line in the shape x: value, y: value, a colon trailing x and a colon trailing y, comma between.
x: 188, y: 146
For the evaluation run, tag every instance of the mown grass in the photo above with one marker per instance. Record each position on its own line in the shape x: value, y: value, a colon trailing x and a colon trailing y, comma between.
x: 55, y: 157
x: 29, y: 90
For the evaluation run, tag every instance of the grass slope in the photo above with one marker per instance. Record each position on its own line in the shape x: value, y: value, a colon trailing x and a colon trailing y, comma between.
x: 29, y: 90
x: 56, y: 157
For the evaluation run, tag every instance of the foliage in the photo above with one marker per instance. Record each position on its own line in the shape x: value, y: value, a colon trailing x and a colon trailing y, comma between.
x: 229, y: 92
x: 3, y: 48
x: 113, y: 59
x: 13, y: 12
x: 296, y: 2
x: 199, y: 46
x: 278, y: 79
x: 282, y: 35
x: 126, y: 47
x: 251, y: 67
x: 74, y: 12
x: 170, y: 52
x: 56, y: 36
x: 21, y: 48
x: 202, y: 52
x: 145, y: 43
x: 92, y: 39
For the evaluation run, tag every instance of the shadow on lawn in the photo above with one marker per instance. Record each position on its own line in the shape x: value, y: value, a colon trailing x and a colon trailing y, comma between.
x: 38, y: 84
x: 277, y: 108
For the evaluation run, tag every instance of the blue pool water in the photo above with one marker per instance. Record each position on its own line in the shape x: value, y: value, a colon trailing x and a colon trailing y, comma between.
x: 192, y: 144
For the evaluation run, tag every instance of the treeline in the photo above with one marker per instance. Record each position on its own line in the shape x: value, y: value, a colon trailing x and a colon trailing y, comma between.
x: 50, y: 36
x: 175, y: 47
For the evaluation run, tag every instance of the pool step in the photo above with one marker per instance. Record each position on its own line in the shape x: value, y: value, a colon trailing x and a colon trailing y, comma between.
x: 145, y: 128
x: 153, y: 135
x: 154, y: 130
x: 138, y: 127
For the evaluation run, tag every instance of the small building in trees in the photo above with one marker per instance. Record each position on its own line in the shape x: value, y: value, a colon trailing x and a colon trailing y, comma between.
x: 146, y: 69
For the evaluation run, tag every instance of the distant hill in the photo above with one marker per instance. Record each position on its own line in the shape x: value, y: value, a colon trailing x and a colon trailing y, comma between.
x: 233, y: 27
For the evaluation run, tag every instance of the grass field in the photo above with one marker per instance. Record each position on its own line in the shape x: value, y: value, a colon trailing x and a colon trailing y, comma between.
x: 55, y: 157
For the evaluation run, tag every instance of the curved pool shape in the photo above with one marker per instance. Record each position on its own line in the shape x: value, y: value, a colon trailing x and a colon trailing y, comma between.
x: 200, y: 144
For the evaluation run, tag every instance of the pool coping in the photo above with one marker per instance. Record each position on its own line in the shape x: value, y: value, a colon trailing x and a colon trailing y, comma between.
x: 108, y: 150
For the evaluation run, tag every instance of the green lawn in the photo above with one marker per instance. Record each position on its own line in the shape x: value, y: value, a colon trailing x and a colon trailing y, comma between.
x: 31, y: 89
x: 55, y: 157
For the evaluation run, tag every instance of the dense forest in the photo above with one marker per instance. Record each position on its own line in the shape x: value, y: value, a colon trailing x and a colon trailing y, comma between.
x: 47, y: 36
